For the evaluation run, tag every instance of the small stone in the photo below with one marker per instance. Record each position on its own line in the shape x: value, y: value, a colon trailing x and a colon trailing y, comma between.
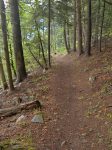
x: 86, y: 69
x: 38, y: 119
x: 21, y: 120
x: 106, y: 123
x: 91, y: 130
x: 44, y: 71
x: 63, y: 143
x: 13, y: 119
x: 17, y: 147
x: 57, y: 129
x: 84, y: 141
x: 92, y: 79
x: 84, y: 134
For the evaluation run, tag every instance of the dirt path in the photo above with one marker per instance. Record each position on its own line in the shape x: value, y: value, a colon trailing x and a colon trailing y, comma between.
x: 70, y: 127
x: 65, y: 95
x: 63, y: 134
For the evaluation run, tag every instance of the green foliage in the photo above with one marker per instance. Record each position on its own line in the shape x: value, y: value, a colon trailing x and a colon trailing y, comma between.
x: 34, y: 23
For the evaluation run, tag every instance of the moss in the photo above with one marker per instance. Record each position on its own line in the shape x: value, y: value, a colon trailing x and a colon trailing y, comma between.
x: 17, y: 145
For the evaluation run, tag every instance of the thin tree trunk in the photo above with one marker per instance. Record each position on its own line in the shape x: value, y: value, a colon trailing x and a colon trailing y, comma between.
x: 55, y: 36
x: 79, y: 25
x: 65, y: 38
x: 2, y: 74
x: 68, y: 37
x: 41, y: 45
x: 11, y: 60
x: 97, y: 25
x: 88, y: 44
x: 49, y: 33
x: 84, y: 27
x: 103, y: 15
x: 5, y: 43
x: 75, y: 24
x: 38, y: 62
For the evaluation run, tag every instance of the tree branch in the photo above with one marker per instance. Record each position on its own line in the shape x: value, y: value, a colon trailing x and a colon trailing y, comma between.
x: 108, y: 2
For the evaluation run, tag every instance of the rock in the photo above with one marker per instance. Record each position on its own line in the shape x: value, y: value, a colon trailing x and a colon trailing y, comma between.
x: 13, y: 119
x: 63, y: 143
x: 92, y: 79
x: 86, y: 69
x: 44, y: 71
x: 38, y: 118
x: 17, y: 147
x: 21, y: 120
x: 84, y: 141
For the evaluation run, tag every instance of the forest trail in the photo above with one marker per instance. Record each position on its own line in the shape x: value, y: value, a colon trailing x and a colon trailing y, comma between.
x: 71, y: 128
x: 76, y: 116
x: 62, y: 133
x: 69, y: 112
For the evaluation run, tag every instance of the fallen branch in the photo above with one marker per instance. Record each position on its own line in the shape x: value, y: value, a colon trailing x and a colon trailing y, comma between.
x: 36, y: 59
x: 108, y: 106
x: 7, y: 112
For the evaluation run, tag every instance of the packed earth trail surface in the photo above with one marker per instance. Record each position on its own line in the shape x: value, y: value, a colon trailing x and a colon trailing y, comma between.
x: 76, y: 96
x: 72, y: 129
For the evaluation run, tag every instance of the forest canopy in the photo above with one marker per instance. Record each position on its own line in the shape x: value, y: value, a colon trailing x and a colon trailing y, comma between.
x: 44, y: 28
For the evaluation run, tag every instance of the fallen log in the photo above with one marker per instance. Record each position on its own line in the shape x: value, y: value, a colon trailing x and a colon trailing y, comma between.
x: 7, y: 112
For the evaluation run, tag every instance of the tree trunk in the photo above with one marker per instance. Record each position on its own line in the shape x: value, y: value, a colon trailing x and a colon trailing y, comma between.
x: 2, y: 74
x: 55, y: 36
x: 68, y: 37
x: 11, y: 60
x: 79, y: 25
x: 103, y: 15
x: 97, y: 25
x: 75, y: 23
x: 88, y: 44
x: 65, y: 38
x: 41, y: 45
x: 5, y: 43
x: 17, y: 40
x: 49, y: 33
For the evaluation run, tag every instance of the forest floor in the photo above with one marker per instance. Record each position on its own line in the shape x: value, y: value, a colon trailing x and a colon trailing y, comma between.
x: 76, y: 95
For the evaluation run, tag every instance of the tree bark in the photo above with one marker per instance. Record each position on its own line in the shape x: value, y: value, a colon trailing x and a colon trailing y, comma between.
x: 17, y: 40
x: 65, y: 38
x: 11, y: 60
x: 97, y: 25
x: 101, y: 31
x: 41, y: 45
x: 7, y: 112
x: 108, y: 2
x: 75, y: 24
x: 49, y: 32
x: 5, y: 43
x: 2, y: 74
x: 68, y: 37
x: 88, y: 44
x: 79, y: 25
